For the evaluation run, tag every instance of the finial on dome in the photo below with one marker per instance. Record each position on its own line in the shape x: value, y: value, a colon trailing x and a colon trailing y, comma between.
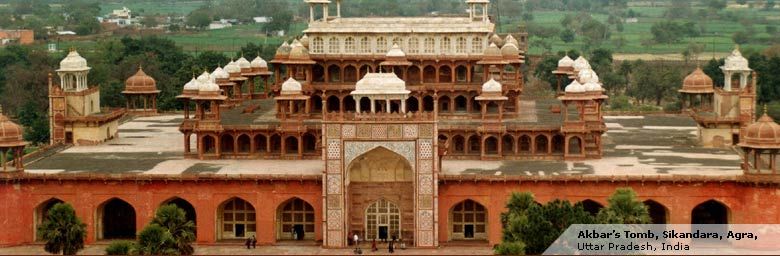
x: 72, y: 49
x: 764, y: 109
x: 1, y: 109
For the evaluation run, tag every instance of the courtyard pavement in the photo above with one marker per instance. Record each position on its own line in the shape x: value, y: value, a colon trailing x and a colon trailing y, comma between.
x: 99, y: 249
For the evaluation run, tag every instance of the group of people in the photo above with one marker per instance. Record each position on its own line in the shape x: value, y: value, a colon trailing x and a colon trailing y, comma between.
x: 251, y: 242
x: 390, y: 245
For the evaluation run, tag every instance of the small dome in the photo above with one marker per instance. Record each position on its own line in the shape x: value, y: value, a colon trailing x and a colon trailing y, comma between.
x: 736, y: 62
x: 73, y: 62
x: 11, y: 134
x: 592, y: 87
x: 242, y: 62
x: 283, y: 49
x: 496, y: 39
x: 140, y: 82
x: 191, y: 85
x: 565, y: 62
x: 509, y: 39
x: 581, y: 63
x: 588, y: 76
x: 510, y: 50
x: 298, y: 51
x: 492, y: 51
x: 697, y: 81
x: 206, y: 84
x: 491, y: 86
x: 764, y: 133
x: 219, y: 73
x: 232, y: 67
x: 305, y: 41
x: 258, y: 63
x: 291, y: 86
x: 575, y: 86
x: 395, y: 51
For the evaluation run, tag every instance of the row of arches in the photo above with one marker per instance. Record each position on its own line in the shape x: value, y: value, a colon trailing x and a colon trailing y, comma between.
x: 469, y: 221
x: 246, y: 144
x: 411, y: 45
x: 236, y: 218
x: 512, y: 144
x: 454, y: 104
x: 415, y: 74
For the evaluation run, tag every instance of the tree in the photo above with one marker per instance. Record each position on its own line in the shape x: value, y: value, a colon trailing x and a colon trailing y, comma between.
x: 199, y: 19
x: 280, y: 21
x: 182, y: 231
x: 155, y: 240
x: 624, y: 208
x: 667, y: 32
x: 149, y: 21
x: 35, y: 123
x: 741, y: 37
x: 62, y: 230
x: 567, y: 35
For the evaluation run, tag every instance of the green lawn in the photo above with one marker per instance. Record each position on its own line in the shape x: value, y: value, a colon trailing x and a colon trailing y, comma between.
x: 717, y: 36
x: 152, y: 7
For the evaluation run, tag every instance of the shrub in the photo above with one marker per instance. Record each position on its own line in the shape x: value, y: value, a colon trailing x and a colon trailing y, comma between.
x: 673, y: 106
x: 120, y: 248
x: 510, y: 248
x: 620, y: 103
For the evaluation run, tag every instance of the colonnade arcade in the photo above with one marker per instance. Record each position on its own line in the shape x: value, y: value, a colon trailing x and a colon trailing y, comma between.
x: 512, y: 144
x: 256, y: 144
x: 237, y: 219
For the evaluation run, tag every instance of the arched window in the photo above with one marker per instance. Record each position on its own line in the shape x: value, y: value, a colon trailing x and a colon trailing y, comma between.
x: 541, y: 144
x: 491, y: 146
x: 236, y: 219
x: 414, y: 46
x: 42, y: 213
x: 385, y: 214
x: 574, y: 146
x: 458, y: 144
x: 474, y: 145
x: 469, y: 221
x: 591, y: 206
x: 317, y: 45
x: 261, y: 143
x: 460, y: 46
x: 476, y: 45
x: 349, y: 45
x: 291, y: 145
x: 400, y: 42
x: 430, y: 45
x: 333, y: 45
x: 117, y: 220
x: 365, y: 45
x: 381, y: 45
x: 244, y: 143
x: 295, y: 220
x: 558, y: 143
x: 507, y: 145
x: 658, y: 212
x: 227, y: 144
x: 525, y: 144
x: 446, y: 45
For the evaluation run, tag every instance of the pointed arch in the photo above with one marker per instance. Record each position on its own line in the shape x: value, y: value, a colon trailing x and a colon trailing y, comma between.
x: 558, y: 144
x: 115, y: 220
x: 429, y: 74
x: 541, y: 143
x: 236, y: 219
x: 350, y: 74
x: 42, y: 213
x: 445, y: 74
x: 226, y: 143
x: 458, y: 144
x: 508, y: 145
x: 491, y: 145
x: 291, y: 145
x: 468, y: 220
x: 309, y: 143
x: 333, y: 104
x: 591, y: 206
x: 244, y: 143
x: 524, y: 144
x: 261, y: 143
x: 710, y: 212
x: 295, y: 220
x: 189, y: 210
x: 659, y: 214
x: 413, y: 75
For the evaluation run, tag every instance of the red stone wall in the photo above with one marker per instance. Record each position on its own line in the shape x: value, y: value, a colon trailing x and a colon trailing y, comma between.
x: 20, y: 200
x: 747, y: 204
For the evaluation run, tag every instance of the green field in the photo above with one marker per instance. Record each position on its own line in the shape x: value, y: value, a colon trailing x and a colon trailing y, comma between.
x: 152, y: 7
x: 717, y: 36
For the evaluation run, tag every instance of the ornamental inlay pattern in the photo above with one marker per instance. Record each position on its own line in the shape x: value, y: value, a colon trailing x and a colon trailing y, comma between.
x: 425, y: 185
x: 334, y: 219
x: 334, y: 151
x: 334, y: 184
x: 353, y: 149
x: 348, y: 131
x: 426, y: 219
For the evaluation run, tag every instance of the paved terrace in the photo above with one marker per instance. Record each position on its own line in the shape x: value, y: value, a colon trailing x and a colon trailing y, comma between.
x: 634, y: 146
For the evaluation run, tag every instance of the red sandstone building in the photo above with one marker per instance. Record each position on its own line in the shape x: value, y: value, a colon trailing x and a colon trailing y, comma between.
x: 410, y: 127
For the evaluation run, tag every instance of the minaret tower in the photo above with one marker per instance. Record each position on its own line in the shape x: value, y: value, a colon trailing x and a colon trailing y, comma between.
x: 478, y: 10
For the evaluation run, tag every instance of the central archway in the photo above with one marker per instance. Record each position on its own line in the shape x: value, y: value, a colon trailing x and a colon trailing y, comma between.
x: 469, y: 221
x: 236, y: 219
x: 381, y: 195
x: 116, y: 220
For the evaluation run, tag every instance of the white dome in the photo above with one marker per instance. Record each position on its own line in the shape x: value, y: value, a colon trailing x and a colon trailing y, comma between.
x: 491, y: 86
x: 206, y: 84
x: 219, y: 73
x: 592, y: 87
x: 565, y: 62
x: 581, y: 63
x: 510, y: 50
x: 380, y: 83
x: 588, y: 76
x: 509, y: 39
x: 575, y: 86
x: 395, y: 51
x: 242, y: 62
x: 191, y: 85
x: 232, y: 67
x: 291, y: 86
x: 736, y: 62
x: 73, y: 62
x: 258, y: 63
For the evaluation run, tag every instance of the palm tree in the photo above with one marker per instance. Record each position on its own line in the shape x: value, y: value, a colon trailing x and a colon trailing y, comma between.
x: 624, y: 208
x: 62, y: 230
x: 182, y: 231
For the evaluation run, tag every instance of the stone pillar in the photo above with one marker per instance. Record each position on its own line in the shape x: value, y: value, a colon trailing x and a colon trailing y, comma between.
x: 727, y: 80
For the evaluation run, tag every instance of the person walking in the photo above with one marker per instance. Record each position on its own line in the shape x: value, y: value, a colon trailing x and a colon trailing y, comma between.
x: 355, y: 239
x: 248, y: 242
x: 254, y: 242
x: 373, y: 245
